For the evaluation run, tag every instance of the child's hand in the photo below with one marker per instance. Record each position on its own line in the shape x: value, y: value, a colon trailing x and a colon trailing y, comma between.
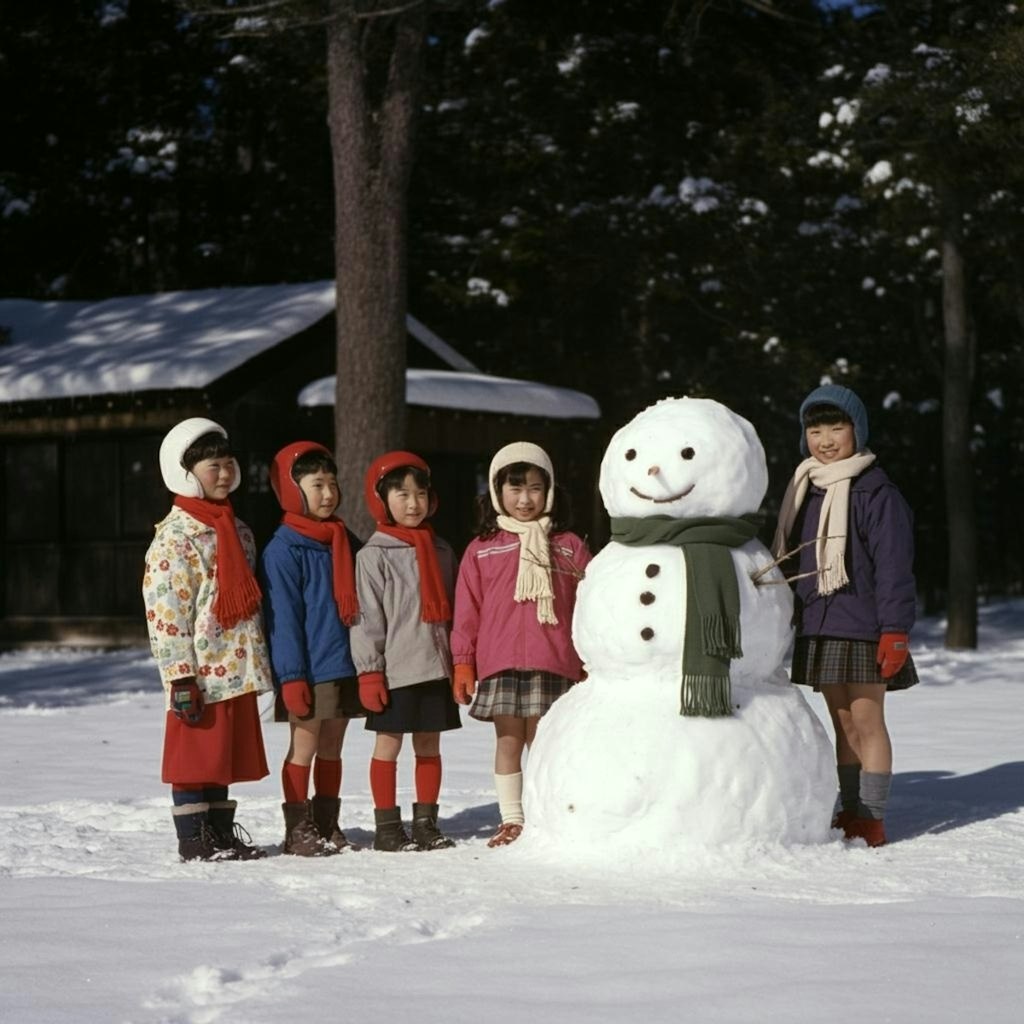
x: 373, y: 691
x: 187, y: 701
x: 892, y: 653
x: 464, y: 684
x: 297, y: 697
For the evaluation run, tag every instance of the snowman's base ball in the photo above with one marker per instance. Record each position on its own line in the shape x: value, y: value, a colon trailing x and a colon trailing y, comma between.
x: 629, y: 774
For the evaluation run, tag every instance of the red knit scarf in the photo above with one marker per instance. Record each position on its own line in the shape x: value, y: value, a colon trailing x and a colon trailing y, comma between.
x: 332, y: 531
x: 433, y: 598
x: 238, y: 593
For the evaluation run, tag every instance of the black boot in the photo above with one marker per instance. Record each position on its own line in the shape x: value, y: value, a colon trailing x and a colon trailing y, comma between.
x: 195, y: 840
x: 231, y: 841
x: 301, y: 837
x: 425, y: 833
x: 326, y: 810
x: 390, y: 835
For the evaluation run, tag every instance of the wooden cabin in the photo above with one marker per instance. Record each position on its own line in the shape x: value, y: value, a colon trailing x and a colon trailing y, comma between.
x: 88, y: 390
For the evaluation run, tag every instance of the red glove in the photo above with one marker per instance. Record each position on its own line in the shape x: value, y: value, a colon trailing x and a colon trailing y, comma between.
x: 892, y: 653
x: 186, y: 701
x: 297, y: 697
x: 373, y: 691
x: 464, y: 683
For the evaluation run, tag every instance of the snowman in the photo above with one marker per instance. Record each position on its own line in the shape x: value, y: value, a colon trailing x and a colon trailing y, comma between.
x: 687, y: 732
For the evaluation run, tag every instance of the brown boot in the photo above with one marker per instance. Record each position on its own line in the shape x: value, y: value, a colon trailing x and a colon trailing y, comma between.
x: 390, y: 835
x: 301, y: 837
x: 842, y: 819
x: 425, y: 833
x: 195, y: 840
x: 507, y: 832
x: 232, y: 842
x: 871, y: 830
x: 326, y: 810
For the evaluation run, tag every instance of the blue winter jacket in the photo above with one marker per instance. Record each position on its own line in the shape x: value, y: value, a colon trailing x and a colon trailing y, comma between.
x: 306, y: 636
x: 880, y: 596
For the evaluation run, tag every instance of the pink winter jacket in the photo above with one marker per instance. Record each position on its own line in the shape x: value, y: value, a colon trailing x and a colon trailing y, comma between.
x: 496, y: 633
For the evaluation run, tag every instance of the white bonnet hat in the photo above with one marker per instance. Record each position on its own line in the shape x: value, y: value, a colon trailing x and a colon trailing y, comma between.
x: 179, y: 439
x: 520, y: 451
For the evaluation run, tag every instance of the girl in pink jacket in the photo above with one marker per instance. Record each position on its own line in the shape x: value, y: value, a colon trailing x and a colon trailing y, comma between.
x: 513, y: 615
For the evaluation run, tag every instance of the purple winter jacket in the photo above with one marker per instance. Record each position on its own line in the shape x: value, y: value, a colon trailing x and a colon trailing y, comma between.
x: 880, y: 596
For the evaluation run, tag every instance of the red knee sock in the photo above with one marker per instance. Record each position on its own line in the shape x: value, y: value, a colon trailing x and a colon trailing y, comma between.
x: 383, y: 783
x: 294, y: 782
x: 428, y: 779
x: 326, y: 777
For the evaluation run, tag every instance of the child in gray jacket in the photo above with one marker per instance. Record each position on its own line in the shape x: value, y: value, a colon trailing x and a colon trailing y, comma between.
x: 405, y: 581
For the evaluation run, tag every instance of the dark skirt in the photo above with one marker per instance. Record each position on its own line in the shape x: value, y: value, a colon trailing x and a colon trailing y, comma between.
x: 226, y: 746
x: 521, y: 694
x: 338, y: 698
x: 422, y: 707
x: 826, y: 661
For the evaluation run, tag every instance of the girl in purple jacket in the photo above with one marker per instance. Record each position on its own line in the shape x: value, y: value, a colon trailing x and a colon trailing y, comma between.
x: 850, y: 534
x: 514, y: 602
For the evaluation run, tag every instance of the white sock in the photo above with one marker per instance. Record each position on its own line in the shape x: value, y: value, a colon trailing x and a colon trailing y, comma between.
x: 510, y: 798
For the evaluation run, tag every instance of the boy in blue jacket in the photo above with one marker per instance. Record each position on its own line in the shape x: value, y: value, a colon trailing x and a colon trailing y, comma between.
x: 307, y: 573
x: 854, y: 595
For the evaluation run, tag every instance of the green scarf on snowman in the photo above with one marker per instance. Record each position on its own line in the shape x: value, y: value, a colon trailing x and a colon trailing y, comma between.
x: 712, y: 599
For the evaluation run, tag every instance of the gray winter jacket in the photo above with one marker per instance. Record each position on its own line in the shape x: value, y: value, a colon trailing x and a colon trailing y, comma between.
x: 389, y: 635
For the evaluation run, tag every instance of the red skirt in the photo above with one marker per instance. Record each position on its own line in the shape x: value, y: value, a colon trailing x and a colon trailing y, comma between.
x: 225, y: 747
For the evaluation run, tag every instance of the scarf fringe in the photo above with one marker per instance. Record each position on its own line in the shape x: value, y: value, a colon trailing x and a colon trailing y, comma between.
x: 240, y: 603
x: 348, y: 608
x: 720, y: 636
x: 833, y: 577
x: 706, y: 697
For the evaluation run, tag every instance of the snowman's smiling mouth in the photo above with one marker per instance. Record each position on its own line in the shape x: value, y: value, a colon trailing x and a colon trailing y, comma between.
x: 662, y: 501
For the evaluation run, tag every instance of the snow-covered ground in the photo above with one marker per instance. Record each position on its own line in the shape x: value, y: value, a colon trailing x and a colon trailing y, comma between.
x: 100, y: 923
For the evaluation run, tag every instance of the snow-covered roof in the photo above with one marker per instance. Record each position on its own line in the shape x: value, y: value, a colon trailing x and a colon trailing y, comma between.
x: 190, y: 339
x: 148, y: 342
x: 476, y: 392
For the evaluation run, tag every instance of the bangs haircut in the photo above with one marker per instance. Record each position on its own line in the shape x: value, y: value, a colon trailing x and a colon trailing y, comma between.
x: 822, y: 415
x: 313, y: 462
x: 210, y: 446
x: 515, y: 474
x: 393, y: 481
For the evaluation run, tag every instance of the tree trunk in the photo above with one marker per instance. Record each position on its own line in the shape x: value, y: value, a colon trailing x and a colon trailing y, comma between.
x: 372, y: 100
x: 962, y: 625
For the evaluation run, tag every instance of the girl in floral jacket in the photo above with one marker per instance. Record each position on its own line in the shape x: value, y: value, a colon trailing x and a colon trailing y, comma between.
x: 206, y: 633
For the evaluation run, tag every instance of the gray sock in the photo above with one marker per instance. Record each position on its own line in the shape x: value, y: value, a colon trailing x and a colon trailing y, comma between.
x: 874, y: 794
x: 849, y: 786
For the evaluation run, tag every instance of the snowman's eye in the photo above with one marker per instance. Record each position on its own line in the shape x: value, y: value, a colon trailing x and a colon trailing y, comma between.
x: 687, y: 453
x: 631, y: 455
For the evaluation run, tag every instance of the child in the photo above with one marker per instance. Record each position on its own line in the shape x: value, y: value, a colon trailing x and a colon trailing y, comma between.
x: 854, y: 595
x: 404, y: 578
x: 513, y: 615
x: 203, y: 611
x: 309, y: 585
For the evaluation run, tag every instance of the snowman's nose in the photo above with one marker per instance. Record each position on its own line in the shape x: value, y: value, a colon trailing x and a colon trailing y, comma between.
x: 654, y: 471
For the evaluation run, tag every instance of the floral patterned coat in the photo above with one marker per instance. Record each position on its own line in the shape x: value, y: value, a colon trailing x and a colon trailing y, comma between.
x: 179, y: 588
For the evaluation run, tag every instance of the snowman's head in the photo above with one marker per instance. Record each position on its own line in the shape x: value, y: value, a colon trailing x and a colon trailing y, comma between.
x: 684, y: 457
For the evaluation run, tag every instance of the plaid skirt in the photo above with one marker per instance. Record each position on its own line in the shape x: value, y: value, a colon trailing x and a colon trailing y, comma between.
x: 826, y: 660
x: 521, y: 694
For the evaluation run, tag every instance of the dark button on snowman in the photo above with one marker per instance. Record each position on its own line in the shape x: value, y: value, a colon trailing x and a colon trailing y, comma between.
x: 686, y: 732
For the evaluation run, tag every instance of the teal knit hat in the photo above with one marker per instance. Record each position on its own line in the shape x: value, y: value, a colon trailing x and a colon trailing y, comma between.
x: 843, y: 399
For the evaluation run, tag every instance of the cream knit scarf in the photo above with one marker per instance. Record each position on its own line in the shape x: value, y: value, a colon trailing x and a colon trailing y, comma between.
x: 830, y: 542
x: 533, y: 580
